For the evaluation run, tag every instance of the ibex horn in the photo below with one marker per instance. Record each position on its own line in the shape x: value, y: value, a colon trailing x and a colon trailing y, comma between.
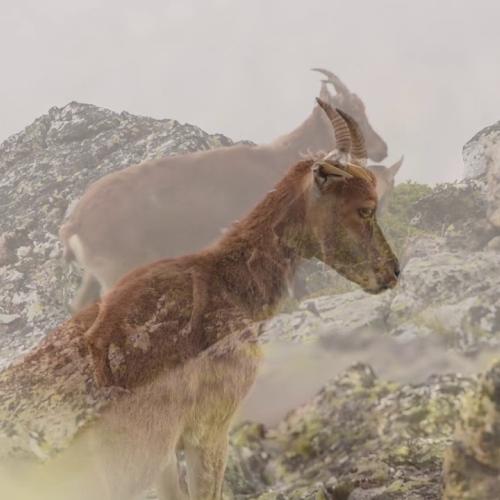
x: 358, y: 150
x: 340, y: 86
x: 324, y: 94
x: 340, y: 127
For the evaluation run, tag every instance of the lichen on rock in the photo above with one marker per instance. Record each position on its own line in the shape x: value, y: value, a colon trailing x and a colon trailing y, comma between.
x: 472, y: 464
x: 359, y: 434
x: 45, y: 168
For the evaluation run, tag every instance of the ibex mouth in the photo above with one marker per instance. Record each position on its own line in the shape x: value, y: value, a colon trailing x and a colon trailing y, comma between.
x: 382, y: 287
x: 389, y: 285
x: 378, y: 289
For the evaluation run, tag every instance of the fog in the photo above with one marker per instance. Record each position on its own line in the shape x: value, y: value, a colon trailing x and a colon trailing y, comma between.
x: 130, y: 393
x: 426, y: 70
x: 297, y: 372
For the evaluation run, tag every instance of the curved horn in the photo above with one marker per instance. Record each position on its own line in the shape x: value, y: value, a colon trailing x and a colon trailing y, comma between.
x: 358, y: 151
x: 324, y: 94
x: 340, y: 127
x: 340, y: 86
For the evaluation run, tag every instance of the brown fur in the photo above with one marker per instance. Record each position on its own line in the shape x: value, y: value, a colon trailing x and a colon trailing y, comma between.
x: 184, y: 330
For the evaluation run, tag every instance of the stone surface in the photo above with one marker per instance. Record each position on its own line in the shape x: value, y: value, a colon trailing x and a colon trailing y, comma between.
x: 477, y: 150
x: 456, y: 212
x: 472, y: 464
x: 454, y: 295
x: 44, y: 169
x: 493, y: 178
x: 494, y: 244
x: 482, y: 160
x: 49, y: 395
x: 361, y: 437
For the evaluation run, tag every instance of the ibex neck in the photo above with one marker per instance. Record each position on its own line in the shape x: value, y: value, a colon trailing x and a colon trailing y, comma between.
x: 312, y: 135
x: 260, y: 253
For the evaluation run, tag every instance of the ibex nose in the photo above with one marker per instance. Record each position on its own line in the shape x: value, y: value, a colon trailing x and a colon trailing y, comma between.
x: 392, y: 275
x: 379, y: 152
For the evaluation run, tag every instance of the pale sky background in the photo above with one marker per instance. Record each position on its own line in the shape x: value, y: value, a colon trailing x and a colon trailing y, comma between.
x: 428, y: 70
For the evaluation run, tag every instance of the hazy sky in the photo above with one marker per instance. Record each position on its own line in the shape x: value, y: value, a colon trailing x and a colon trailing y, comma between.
x: 428, y: 70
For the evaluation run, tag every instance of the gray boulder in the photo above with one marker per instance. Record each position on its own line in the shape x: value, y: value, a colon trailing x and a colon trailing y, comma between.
x: 454, y: 295
x: 472, y: 463
x: 493, y: 178
x: 476, y: 152
x: 482, y: 159
x: 44, y: 169
x: 359, y: 438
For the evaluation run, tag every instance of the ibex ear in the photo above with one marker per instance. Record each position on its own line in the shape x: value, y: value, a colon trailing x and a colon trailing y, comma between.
x: 394, y: 169
x: 324, y: 174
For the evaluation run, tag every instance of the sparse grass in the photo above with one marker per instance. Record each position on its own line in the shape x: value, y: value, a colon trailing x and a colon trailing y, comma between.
x: 395, y: 222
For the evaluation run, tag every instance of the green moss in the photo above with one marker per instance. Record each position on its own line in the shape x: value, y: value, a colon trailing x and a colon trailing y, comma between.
x: 395, y: 221
x: 302, y: 445
x: 248, y: 433
x: 397, y: 486
x: 401, y: 452
x: 374, y: 471
x: 436, y: 326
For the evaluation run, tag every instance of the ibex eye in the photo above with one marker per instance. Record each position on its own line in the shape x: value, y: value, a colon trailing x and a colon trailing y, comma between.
x: 365, y: 213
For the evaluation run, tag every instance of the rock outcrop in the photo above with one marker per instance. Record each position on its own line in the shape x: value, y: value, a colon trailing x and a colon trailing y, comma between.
x: 493, y: 179
x: 361, y: 437
x: 472, y: 464
x: 44, y: 169
x: 452, y: 295
x: 476, y: 152
x: 482, y: 159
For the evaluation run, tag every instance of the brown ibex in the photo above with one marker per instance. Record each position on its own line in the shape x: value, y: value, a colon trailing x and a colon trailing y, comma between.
x: 179, y: 204
x: 185, y: 330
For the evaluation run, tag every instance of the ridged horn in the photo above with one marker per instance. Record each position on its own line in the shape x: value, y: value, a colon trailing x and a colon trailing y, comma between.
x: 358, y: 150
x: 339, y: 85
x: 342, y: 133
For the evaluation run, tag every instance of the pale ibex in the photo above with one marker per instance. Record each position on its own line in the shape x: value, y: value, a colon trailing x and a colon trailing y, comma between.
x: 179, y: 204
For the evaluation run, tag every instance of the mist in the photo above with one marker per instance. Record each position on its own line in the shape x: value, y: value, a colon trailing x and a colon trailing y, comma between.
x: 139, y: 305
x: 426, y: 71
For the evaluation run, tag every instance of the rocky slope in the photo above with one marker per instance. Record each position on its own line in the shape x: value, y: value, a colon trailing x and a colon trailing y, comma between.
x: 359, y: 438
x: 472, y: 463
x: 362, y: 436
x: 44, y: 169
